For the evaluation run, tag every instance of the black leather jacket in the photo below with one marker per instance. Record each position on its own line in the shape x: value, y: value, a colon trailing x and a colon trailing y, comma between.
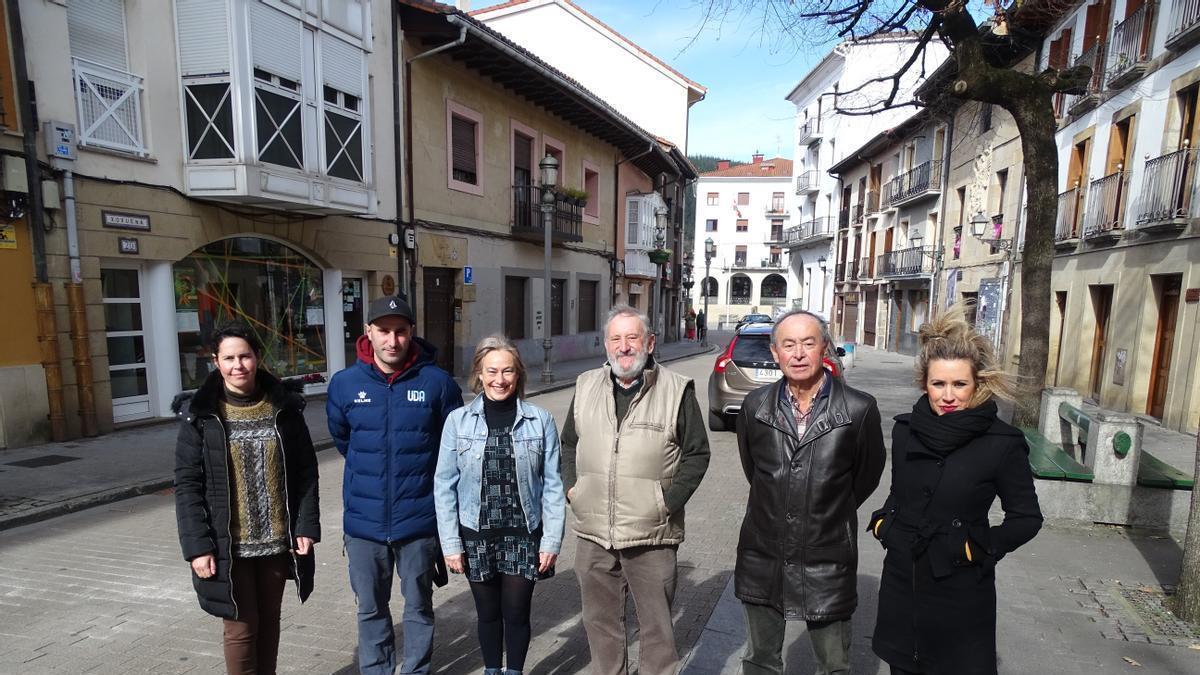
x: 798, y: 550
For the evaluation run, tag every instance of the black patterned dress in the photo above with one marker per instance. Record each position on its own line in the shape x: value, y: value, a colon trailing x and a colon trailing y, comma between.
x: 503, y: 543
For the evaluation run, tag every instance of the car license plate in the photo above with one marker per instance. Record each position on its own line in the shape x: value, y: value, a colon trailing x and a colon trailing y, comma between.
x: 766, y: 373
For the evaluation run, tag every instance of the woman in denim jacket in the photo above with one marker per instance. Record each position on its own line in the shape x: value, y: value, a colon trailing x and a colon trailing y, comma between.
x: 500, y: 502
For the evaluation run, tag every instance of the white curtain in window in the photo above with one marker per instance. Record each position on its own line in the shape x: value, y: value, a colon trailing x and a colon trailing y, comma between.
x: 276, y: 42
x: 96, y: 29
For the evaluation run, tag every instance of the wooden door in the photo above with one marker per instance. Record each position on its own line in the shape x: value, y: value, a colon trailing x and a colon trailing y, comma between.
x: 439, y: 313
x: 871, y: 296
x: 1060, y: 301
x: 850, y: 321
x: 1164, y: 341
x: 1101, y: 307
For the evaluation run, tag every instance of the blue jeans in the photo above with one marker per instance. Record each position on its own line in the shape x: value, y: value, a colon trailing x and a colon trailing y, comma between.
x: 371, y: 565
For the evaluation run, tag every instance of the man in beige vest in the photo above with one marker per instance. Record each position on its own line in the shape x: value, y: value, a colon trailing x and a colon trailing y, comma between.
x: 635, y: 438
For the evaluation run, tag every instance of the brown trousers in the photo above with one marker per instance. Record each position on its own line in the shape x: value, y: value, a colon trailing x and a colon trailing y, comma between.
x: 252, y: 640
x: 606, y: 578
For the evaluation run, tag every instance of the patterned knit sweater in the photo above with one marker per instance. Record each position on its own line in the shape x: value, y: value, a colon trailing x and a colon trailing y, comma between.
x: 259, y: 514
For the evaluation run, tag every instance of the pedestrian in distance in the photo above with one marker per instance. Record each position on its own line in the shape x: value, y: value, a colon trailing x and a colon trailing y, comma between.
x: 701, y: 325
x: 951, y: 457
x: 500, y: 501
x: 386, y: 413
x: 635, y: 437
x: 812, y: 449
x: 245, y: 497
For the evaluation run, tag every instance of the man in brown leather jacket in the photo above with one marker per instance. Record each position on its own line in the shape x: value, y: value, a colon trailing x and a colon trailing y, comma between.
x: 812, y: 449
x: 634, y: 450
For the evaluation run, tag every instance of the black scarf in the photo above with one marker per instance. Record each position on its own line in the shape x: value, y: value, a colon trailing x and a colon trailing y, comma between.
x: 943, y: 434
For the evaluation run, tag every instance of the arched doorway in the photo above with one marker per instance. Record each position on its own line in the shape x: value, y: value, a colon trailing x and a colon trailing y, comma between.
x: 268, y: 285
x: 740, y: 289
x: 709, y: 289
x: 773, y: 290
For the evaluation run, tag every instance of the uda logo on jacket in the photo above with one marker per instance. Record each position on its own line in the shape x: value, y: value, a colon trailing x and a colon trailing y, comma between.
x: 416, y: 396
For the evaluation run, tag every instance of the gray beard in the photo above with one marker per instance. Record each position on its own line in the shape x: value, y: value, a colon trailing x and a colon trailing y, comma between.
x: 634, y: 371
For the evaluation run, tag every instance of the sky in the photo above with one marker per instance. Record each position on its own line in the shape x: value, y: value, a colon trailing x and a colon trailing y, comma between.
x: 747, y: 79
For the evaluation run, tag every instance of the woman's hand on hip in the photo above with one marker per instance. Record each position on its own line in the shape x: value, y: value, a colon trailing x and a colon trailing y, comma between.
x: 456, y: 563
x: 304, y: 545
x: 204, y: 566
x: 546, y: 561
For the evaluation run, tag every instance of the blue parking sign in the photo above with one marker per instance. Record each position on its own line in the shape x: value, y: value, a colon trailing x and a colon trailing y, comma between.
x: 468, y: 275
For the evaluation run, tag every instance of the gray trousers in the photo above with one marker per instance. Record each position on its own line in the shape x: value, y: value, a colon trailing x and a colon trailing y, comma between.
x: 372, y: 565
x: 606, y: 578
x: 764, y: 644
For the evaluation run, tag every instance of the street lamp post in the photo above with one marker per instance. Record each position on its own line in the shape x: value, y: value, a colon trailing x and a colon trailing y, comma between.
x: 821, y: 264
x: 710, y: 250
x: 660, y: 240
x: 979, y: 223
x: 549, y: 168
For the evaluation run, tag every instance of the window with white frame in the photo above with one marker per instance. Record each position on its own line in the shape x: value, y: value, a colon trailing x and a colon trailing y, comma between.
x: 464, y: 148
x: 108, y: 98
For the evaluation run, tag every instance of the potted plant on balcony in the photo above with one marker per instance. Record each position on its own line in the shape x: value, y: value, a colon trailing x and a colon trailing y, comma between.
x: 659, y: 256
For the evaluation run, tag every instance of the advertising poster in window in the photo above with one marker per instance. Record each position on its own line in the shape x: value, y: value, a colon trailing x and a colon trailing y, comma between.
x: 987, y: 314
x: 8, y: 236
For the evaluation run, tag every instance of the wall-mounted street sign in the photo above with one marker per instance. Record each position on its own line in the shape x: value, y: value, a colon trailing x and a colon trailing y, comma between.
x: 127, y: 244
x: 468, y: 275
x: 125, y: 221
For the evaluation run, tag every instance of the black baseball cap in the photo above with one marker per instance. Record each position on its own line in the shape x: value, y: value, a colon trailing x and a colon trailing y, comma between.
x: 390, y: 305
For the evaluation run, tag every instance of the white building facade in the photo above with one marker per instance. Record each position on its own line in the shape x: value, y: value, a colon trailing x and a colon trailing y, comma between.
x: 825, y: 135
x: 744, y: 210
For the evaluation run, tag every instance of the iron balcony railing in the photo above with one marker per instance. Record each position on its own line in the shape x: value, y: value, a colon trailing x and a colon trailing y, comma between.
x: 1067, y: 226
x: 809, y: 229
x: 109, y: 104
x: 859, y: 212
x: 776, y: 234
x: 567, y: 216
x: 809, y: 131
x: 1105, y: 207
x: 1185, y: 19
x: 1167, y: 188
x: 864, y: 268
x: 872, y: 201
x: 844, y: 218
x: 776, y: 210
x: 906, y: 262
x: 917, y: 182
x: 852, y: 270
x: 839, y: 272
x: 1130, y: 46
x: 1094, y: 58
x: 739, y: 299
x: 808, y: 181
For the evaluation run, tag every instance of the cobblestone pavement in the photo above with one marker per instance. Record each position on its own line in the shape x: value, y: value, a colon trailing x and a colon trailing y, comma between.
x: 105, y: 591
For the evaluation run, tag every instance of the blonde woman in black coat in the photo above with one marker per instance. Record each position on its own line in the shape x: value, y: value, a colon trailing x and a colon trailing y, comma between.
x: 951, y: 458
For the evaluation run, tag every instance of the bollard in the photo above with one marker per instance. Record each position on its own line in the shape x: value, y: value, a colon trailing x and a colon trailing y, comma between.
x: 1114, y: 448
x: 1050, y: 425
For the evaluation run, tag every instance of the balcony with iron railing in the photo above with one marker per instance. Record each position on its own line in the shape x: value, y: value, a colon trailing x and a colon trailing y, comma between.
x: 844, y: 218
x: 908, y: 262
x: 1129, y: 50
x: 1066, y: 229
x: 865, y: 268
x: 808, y: 182
x: 567, y: 216
x: 1184, y: 27
x: 808, y: 232
x: 1168, y: 191
x: 839, y: 272
x: 919, y: 182
x: 776, y: 210
x: 109, y: 107
x: 1102, y: 219
x: 1093, y: 57
x: 776, y: 235
x: 872, y: 202
x: 852, y: 269
x: 859, y: 212
x: 810, y: 132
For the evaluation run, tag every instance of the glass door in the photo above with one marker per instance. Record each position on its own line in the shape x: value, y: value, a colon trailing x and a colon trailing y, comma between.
x: 126, y: 338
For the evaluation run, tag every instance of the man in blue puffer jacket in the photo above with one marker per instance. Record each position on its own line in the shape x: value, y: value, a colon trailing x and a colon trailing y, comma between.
x: 386, y: 414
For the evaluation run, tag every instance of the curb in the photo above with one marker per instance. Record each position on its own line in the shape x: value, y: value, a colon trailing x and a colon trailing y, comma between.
x: 81, y: 503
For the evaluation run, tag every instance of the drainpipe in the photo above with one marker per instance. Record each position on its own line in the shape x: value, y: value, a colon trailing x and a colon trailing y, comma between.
x: 80, y: 344
x: 43, y: 292
x: 408, y: 141
x: 617, y: 212
x: 939, y: 252
x: 398, y: 160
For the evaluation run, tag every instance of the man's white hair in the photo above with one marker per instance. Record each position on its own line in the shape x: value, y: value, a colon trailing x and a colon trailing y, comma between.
x: 626, y: 310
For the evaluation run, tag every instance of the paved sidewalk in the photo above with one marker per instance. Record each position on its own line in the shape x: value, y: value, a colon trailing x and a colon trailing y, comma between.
x: 48, y: 480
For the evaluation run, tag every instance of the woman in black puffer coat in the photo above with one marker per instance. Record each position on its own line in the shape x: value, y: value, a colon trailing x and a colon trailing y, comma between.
x: 246, y: 498
x: 951, y: 458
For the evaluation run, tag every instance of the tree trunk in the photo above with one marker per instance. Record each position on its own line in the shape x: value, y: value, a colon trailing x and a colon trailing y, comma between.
x: 1187, y: 597
x: 1035, y: 120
